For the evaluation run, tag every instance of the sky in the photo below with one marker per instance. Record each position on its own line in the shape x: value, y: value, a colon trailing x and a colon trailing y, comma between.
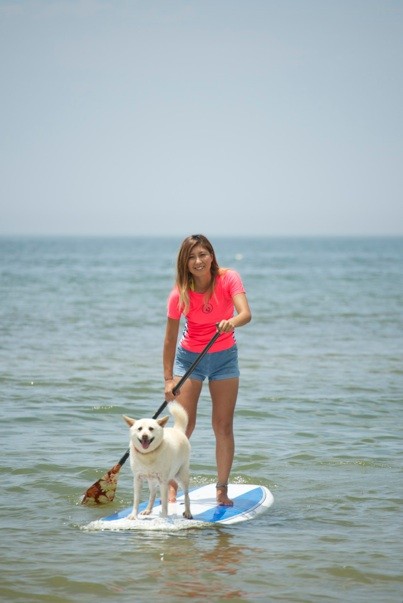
x: 226, y: 117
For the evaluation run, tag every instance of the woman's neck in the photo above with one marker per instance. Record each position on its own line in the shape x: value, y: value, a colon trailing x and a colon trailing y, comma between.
x: 201, y: 285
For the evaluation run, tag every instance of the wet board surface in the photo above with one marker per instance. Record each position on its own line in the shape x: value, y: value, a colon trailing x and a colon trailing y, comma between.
x: 250, y: 500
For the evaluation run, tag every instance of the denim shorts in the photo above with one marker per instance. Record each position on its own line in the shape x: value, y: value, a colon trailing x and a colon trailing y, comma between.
x: 215, y: 365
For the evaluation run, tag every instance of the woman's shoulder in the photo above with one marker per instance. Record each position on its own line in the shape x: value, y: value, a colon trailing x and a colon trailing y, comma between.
x: 227, y: 274
x: 231, y: 279
x: 174, y: 293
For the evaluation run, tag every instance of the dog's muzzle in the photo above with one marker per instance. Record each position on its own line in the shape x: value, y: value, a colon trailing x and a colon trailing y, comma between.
x: 145, y: 442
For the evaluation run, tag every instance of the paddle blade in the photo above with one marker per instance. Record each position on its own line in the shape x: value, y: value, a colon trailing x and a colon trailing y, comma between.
x: 103, y: 491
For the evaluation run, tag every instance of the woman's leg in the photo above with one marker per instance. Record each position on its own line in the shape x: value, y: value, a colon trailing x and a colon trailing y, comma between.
x: 224, y: 394
x: 188, y: 397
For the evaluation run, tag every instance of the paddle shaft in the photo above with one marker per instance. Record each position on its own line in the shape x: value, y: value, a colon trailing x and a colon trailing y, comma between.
x: 178, y: 385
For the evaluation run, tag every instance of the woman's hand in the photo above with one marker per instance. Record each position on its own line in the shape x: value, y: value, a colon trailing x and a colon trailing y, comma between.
x: 169, y: 395
x: 225, y: 326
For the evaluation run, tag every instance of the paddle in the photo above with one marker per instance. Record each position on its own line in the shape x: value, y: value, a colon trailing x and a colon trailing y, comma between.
x: 103, y: 491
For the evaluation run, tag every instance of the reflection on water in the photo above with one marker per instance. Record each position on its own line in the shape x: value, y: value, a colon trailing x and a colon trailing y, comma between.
x: 191, y: 567
x: 203, y: 570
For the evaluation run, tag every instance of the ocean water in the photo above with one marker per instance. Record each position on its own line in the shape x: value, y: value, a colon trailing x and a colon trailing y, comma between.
x: 318, y: 421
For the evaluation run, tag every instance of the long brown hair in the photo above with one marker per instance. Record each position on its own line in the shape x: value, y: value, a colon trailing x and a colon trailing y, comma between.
x: 184, y: 279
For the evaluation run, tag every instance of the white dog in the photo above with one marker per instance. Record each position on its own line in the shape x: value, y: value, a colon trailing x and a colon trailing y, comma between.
x: 159, y: 454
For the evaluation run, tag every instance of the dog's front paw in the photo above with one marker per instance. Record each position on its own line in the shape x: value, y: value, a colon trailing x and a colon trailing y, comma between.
x: 132, y: 516
x: 187, y: 515
x: 145, y: 512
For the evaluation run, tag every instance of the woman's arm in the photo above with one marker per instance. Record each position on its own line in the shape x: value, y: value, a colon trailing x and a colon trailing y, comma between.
x: 242, y: 317
x: 169, y: 350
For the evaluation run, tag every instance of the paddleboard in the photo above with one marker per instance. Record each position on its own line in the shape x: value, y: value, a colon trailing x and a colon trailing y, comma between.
x: 249, y: 500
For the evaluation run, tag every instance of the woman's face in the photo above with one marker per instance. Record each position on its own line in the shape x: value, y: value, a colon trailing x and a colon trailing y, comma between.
x: 200, y: 260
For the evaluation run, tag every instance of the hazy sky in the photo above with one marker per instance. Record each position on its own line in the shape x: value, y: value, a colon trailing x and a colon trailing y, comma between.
x: 266, y: 117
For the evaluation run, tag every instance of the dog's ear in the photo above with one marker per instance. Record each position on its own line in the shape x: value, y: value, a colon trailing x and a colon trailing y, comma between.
x: 162, y: 422
x: 129, y: 421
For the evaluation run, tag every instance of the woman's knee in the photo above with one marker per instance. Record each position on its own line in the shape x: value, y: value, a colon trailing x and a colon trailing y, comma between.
x: 223, y: 428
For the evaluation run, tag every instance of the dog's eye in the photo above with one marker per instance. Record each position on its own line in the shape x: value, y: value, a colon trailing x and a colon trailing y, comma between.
x: 151, y: 428
x: 139, y: 428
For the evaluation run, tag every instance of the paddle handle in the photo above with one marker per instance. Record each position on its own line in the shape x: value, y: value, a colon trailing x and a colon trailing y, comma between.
x: 178, y: 386
x: 124, y: 457
x: 188, y: 372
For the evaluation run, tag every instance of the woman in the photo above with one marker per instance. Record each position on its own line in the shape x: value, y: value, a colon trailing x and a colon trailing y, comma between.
x: 210, y: 298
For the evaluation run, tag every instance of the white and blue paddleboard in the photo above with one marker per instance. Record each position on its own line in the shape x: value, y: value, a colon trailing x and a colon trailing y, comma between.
x: 249, y: 501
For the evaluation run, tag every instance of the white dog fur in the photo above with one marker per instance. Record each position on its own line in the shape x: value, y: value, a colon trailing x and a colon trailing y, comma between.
x: 159, y: 454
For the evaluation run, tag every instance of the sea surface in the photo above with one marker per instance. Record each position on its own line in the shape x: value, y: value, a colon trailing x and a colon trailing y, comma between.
x: 319, y: 422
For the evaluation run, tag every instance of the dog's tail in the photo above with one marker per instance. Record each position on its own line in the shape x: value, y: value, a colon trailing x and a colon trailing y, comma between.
x: 179, y: 414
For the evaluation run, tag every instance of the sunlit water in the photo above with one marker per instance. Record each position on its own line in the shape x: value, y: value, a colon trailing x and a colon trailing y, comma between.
x: 319, y: 422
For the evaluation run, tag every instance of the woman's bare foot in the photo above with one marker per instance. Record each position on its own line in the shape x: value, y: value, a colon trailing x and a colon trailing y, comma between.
x: 222, y: 496
x: 172, y: 491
